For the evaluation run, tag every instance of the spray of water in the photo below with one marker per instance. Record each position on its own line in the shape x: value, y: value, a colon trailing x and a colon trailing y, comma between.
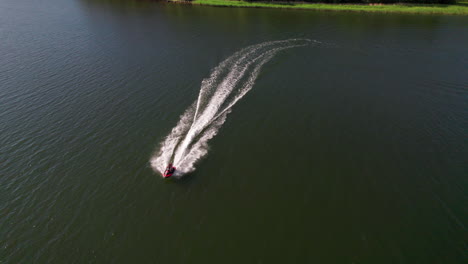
x: 228, y: 83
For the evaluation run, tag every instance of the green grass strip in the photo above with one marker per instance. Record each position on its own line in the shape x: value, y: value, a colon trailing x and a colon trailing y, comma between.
x: 461, y: 8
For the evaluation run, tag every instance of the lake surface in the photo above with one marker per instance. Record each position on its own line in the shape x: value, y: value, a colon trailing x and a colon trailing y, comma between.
x: 350, y: 149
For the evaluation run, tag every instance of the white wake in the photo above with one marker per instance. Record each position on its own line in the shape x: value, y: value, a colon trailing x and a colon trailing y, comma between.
x: 228, y: 83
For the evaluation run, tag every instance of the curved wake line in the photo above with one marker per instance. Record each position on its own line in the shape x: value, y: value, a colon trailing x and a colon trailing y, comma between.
x: 228, y: 82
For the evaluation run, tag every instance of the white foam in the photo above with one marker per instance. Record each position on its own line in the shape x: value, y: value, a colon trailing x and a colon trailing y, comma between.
x: 231, y: 80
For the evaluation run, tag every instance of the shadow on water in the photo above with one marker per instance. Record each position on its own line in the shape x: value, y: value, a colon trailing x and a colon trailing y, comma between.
x: 134, y: 4
x: 185, y: 180
x: 271, y: 19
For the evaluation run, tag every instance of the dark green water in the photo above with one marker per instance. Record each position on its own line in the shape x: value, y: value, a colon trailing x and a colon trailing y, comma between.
x: 353, y: 150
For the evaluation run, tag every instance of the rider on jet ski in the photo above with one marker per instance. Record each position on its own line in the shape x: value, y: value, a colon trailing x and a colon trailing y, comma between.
x: 169, y: 171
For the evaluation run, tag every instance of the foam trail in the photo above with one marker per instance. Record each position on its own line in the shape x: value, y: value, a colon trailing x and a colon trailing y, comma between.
x: 228, y: 82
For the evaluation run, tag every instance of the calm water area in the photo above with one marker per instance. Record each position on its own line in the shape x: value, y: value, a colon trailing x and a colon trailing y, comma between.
x: 350, y: 149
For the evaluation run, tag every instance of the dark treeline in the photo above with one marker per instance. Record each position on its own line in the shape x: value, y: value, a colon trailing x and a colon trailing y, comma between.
x: 366, y: 1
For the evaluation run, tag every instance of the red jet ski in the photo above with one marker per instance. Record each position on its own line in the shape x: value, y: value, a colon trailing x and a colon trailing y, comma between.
x: 169, y: 171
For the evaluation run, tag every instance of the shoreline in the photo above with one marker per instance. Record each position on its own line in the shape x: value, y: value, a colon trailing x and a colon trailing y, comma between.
x: 460, y: 8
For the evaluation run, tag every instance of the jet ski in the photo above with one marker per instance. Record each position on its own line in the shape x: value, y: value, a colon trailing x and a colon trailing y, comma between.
x: 169, y: 171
